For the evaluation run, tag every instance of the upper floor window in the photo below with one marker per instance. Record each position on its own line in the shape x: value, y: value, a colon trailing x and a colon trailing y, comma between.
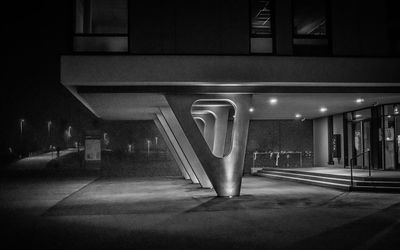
x: 393, y: 20
x: 261, y: 26
x: 101, y: 25
x: 310, y: 27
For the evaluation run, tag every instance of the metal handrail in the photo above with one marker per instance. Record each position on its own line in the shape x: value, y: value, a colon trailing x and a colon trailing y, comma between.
x: 352, y: 164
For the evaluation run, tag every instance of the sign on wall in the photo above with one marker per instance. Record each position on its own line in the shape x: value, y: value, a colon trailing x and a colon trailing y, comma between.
x: 336, y: 146
x: 92, y: 150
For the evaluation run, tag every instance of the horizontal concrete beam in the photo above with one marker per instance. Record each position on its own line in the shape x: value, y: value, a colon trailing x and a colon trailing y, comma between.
x: 192, y: 70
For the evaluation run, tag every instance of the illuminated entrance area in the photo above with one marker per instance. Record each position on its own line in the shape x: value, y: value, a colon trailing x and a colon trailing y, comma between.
x: 391, y: 137
x: 374, y: 137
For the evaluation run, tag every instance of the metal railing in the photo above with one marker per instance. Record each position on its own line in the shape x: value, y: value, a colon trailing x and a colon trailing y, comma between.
x: 352, y: 164
x: 279, y: 154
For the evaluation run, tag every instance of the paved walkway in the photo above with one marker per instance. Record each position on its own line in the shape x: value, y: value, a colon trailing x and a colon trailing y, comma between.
x: 172, y: 213
x: 39, y: 161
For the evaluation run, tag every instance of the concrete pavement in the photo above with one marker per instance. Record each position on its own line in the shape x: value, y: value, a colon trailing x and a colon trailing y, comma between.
x: 171, y: 213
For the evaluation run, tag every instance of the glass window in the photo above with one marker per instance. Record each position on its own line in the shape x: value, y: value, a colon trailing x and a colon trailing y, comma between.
x: 310, y: 29
x: 261, y: 26
x: 309, y: 17
x: 101, y: 17
x: 101, y: 25
x: 393, y: 26
x: 362, y: 114
x: 392, y: 109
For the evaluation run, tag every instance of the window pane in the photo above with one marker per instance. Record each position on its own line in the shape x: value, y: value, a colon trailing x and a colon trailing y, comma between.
x: 261, y: 45
x: 101, y: 43
x: 101, y: 17
x: 261, y: 18
x: 309, y: 17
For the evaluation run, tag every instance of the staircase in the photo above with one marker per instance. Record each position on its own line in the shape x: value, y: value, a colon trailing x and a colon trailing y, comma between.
x: 342, y: 182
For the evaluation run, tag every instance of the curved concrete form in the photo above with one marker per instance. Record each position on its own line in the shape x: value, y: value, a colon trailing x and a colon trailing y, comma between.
x: 225, y: 173
x: 209, y: 128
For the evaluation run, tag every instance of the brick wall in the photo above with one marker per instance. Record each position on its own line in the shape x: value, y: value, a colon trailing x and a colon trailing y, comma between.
x: 279, y: 135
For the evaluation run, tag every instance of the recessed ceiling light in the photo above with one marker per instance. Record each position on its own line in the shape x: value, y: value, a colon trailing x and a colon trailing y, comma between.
x: 358, y: 115
x: 251, y: 109
x: 323, y: 109
x: 297, y: 115
x: 359, y: 100
x: 273, y: 101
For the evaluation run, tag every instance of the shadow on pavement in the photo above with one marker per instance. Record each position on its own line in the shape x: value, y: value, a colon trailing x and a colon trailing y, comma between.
x: 379, y: 230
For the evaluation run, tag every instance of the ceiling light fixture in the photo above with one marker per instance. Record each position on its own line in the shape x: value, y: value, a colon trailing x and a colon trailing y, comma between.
x: 359, y: 100
x: 297, y: 115
x: 273, y: 101
x: 251, y: 110
x: 323, y: 109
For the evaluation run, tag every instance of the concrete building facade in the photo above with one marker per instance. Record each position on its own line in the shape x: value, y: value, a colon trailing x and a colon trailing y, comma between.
x: 207, y: 71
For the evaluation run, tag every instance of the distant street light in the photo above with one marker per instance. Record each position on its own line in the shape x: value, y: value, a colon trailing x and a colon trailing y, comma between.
x: 148, y: 148
x: 49, y: 123
x: 21, y: 125
x: 68, y: 132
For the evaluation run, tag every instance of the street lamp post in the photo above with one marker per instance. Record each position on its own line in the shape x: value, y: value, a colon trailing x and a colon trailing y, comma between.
x: 68, y: 134
x: 49, y: 123
x: 21, y: 125
x: 148, y: 148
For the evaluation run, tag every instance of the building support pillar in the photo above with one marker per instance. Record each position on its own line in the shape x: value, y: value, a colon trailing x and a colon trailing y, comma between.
x: 174, y: 150
x: 221, y: 127
x: 209, y: 127
x: 182, y: 145
x: 225, y: 173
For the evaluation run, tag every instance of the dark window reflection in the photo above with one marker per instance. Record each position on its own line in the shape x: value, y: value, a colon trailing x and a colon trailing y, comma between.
x: 101, y: 26
x: 101, y: 17
x: 261, y: 26
x: 310, y: 17
x: 310, y: 24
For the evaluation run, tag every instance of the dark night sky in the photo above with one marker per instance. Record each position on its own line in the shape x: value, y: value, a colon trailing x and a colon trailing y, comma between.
x: 35, y: 34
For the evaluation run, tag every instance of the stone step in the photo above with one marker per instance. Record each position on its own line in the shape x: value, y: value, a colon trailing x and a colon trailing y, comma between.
x: 305, y: 175
x: 307, y: 181
x: 332, y: 181
x: 357, y: 178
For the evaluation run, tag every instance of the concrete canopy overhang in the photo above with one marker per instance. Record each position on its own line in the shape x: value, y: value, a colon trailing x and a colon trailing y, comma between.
x: 299, y: 82
x: 143, y: 87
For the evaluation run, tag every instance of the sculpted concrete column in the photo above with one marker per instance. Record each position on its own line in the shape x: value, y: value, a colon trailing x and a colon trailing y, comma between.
x: 221, y: 127
x: 209, y: 126
x: 200, y: 124
x: 225, y: 173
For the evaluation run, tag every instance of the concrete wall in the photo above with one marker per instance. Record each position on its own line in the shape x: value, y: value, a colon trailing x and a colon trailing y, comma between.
x: 320, y: 137
x: 279, y: 135
x: 128, y: 70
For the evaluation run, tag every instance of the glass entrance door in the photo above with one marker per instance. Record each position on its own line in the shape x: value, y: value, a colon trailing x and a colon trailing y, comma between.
x: 391, y: 134
x: 361, y: 141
